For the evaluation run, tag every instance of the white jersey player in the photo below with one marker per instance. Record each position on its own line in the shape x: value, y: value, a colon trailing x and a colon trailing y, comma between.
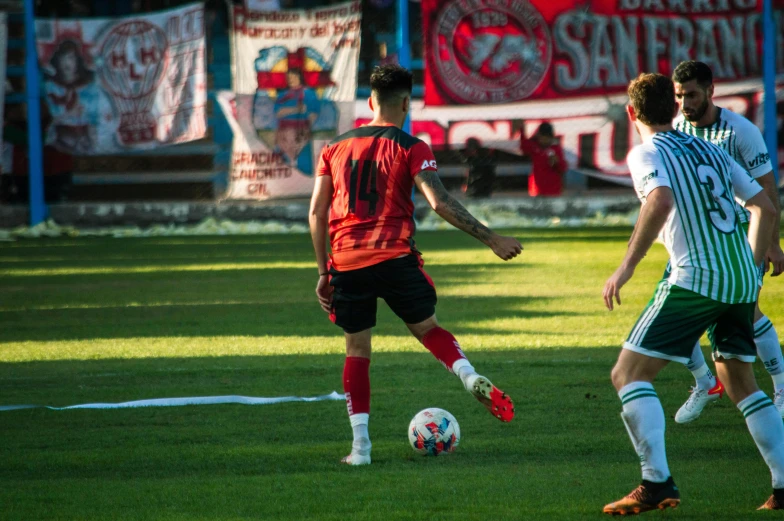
x: 743, y: 141
x: 686, y: 187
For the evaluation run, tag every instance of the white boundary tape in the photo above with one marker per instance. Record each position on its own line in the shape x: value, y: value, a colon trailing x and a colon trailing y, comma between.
x: 175, y: 402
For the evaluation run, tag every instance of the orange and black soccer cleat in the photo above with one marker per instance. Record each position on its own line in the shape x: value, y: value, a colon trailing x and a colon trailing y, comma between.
x: 494, y: 399
x: 648, y: 496
x: 775, y: 501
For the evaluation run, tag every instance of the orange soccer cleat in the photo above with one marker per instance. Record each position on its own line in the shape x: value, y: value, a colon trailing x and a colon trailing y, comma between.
x: 772, y: 503
x: 643, y: 499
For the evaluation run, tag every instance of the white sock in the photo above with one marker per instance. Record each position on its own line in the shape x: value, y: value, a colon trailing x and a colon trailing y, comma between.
x: 644, y: 419
x: 463, y: 369
x: 697, y: 359
x: 767, y: 429
x: 769, y: 350
x: 704, y: 378
x: 359, y: 424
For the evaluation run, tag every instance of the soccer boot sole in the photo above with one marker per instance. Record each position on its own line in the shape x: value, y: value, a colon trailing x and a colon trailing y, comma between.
x: 496, y: 401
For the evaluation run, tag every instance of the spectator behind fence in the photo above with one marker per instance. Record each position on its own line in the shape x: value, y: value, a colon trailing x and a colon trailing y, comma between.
x: 548, y: 165
x: 481, y: 163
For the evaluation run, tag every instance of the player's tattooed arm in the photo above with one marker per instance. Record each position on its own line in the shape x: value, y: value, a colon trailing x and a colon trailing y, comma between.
x: 449, y: 208
x: 454, y: 213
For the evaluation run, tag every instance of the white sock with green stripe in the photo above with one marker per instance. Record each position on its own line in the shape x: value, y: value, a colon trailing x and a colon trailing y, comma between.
x: 767, y: 429
x: 769, y: 350
x: 644, y: 419
x: 699, y: 369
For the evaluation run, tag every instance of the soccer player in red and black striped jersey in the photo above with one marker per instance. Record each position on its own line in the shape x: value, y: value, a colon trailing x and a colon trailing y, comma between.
x: 362, y: 194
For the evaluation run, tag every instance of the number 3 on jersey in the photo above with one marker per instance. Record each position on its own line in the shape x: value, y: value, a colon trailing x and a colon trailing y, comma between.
x: 362, y: 186
x: 720, y: 208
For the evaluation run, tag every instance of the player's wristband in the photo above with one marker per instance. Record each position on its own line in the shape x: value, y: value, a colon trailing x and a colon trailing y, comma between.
x: 322, y: 274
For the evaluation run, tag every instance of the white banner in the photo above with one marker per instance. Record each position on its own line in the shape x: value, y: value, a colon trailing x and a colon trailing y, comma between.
x: 295, y: 82
x: 117, y: 84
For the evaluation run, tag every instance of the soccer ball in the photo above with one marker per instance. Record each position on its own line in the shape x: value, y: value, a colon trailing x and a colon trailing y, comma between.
x: 433, y: 431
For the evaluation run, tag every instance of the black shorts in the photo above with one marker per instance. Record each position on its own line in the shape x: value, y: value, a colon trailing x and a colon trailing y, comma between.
x: 401, y: 282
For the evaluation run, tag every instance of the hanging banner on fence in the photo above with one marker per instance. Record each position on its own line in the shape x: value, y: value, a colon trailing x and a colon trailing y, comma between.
x: 495, y: 69
x: 295, y: 82
x: 112, y: 85
x: 502, y: 51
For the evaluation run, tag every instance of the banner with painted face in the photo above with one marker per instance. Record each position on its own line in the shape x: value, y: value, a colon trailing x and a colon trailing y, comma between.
x: 112, y: 85
x: 295, y: 82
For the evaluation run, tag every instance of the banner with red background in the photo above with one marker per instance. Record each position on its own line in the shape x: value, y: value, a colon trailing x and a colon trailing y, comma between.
x: 495, y: 69
x: 501, y: 51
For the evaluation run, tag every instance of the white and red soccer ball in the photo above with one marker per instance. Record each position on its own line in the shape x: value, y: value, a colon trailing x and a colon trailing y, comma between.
x: 433, y: 431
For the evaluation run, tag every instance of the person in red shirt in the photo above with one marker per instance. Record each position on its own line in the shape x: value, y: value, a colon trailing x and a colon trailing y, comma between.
x: 362, y: 194
x: 549, y: 164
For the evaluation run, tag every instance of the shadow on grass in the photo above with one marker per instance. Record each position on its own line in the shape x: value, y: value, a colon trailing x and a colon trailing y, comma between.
x: 171, y: 251
x: 235, y: 301
x: 297, y: 315
x: 456, y: 239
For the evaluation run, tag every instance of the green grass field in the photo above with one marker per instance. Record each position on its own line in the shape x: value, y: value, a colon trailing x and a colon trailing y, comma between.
x: 112, y: 320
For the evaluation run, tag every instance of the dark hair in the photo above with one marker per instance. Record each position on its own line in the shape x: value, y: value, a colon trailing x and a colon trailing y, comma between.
x: 693, y: 70
x: 545, y: 129
x: 472, y: 142
x: 83, y: 74
x: 391, y: 81
x: 653, y: 98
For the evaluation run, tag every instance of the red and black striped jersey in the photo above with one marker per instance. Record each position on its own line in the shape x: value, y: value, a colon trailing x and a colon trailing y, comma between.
x: 371, y: 218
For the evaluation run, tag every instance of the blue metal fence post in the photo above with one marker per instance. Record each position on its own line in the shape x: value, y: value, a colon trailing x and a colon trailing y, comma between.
x: 220, y: 67
x: 769, y: 81
x: 34, y: 145
x: 403, y: 46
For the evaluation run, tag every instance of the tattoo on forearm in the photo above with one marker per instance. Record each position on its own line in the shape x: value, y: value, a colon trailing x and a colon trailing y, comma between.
x: 454, y: 212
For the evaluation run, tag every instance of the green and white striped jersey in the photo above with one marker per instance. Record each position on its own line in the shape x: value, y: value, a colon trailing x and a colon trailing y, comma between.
x: 709, y: 251
x: 739, y: 137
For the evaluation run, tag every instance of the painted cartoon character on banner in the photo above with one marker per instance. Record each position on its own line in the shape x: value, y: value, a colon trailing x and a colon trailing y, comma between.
x: 291, y: 107
x: 71, y: 95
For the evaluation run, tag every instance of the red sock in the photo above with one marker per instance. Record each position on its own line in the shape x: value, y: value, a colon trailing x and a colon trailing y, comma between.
x: 444, y: 347
x: 356, y: 384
